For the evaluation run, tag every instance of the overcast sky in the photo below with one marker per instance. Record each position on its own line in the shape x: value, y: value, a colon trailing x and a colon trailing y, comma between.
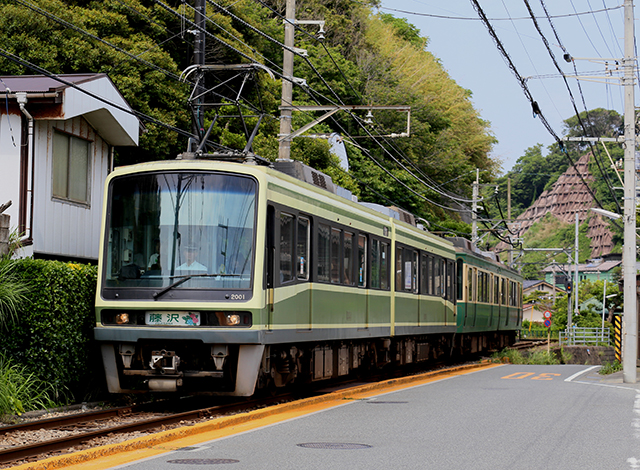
x: 470, y: 56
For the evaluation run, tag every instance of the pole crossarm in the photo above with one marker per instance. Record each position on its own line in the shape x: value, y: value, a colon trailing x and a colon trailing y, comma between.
x: 594, y: 139
x: 331, y: 110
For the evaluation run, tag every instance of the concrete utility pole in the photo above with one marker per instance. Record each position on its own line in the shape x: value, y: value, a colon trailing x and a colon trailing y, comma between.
x: 284, y: 149
x: 199, y: 59
x: 576, y: 274
x: 630, y: 338
x: 474, y: 210
x: 509, y: 217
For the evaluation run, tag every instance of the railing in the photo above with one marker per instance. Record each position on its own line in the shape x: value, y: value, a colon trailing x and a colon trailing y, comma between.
x: 537, y: 334
x: 591, y: 336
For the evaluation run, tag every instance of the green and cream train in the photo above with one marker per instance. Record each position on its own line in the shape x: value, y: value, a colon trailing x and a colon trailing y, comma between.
x: 227, y: 278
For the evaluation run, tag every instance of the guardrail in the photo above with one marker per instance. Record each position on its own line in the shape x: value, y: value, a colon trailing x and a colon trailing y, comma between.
x: 538, y: 334
x: 586, y: 336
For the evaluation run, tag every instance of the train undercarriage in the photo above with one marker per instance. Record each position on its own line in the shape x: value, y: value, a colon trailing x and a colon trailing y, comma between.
x: 242, y: 370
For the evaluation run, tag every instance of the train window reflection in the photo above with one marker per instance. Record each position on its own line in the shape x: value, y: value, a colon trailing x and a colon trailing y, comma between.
x: 167, y: 226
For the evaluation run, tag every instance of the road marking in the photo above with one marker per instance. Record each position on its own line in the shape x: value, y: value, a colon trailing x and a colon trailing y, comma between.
x: 569, y: 379
x: 528, y: 375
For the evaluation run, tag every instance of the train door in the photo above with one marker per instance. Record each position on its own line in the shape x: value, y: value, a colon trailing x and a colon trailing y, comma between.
x: 472, y: 288
x: 291, y: 297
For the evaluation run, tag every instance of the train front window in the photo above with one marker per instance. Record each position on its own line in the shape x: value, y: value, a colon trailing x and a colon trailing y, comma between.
x: 196, y: 228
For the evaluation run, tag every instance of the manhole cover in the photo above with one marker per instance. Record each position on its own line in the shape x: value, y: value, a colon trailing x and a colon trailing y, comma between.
x: 333, y: 445
x: 202, y: 461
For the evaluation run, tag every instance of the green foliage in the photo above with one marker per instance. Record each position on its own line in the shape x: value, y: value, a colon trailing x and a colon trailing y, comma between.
x: 52, y: 335
x: 610, y: 368
x: 22, y: 391
x: 539, y: 357
x: 12, y: 293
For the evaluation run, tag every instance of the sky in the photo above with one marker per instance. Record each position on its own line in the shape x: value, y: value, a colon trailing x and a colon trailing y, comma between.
x: 467, y: 52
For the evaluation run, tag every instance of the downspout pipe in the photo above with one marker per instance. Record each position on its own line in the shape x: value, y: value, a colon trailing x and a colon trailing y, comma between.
x: 22, y: 99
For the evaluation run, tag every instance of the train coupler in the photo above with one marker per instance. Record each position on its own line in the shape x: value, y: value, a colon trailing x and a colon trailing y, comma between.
x: 165, y: 362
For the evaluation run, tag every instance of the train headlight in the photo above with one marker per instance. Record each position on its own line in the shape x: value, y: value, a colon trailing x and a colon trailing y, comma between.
x: 122, y: 319
x: 233, y: 318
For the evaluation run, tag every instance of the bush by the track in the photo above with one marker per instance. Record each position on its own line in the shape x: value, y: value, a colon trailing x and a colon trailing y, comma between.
x: 52, y: 335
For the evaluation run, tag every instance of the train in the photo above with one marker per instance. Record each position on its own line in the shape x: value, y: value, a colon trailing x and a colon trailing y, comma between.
x: 233, y: 278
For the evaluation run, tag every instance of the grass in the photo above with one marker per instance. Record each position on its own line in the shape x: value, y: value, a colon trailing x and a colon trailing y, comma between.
x: 610, y: 368
x: 21, y: 391
x: 539, y: 357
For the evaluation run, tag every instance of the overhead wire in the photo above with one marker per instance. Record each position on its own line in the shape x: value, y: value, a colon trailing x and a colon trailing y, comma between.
x: 14, y: 58
x: 69, y: 25
x: 577, y: 113
x: 341, y: 103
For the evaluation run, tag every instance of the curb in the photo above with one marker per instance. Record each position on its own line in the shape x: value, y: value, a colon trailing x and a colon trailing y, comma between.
x: 228, y: 421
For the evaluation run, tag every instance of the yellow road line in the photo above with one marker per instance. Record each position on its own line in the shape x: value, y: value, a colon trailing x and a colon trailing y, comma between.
x: 167, y: 441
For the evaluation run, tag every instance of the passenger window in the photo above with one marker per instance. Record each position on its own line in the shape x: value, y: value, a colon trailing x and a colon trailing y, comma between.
x: 399, y: 280
x: 324, y: 244
x: 362, y: 261
x: 348, y: 259
x: 286, y: 247
x: 335, y: 255
x: 302, y: 259
x: 375, y: 264
x: 384, y: 265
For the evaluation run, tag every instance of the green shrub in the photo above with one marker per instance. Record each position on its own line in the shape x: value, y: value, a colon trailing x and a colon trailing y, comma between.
x: 21, y: 391
x: 610, y: 368
x: 52, y: 334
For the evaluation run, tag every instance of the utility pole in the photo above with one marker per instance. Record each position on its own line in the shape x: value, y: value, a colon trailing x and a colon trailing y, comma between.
x: 474, y: 210
x: 509, y: 216
x: 630, y: 338
x: 284, y: 149
x: 576, y: 278
x: 199, y: 59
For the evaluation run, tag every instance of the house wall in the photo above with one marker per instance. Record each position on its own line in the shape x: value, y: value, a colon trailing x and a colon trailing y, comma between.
x: 63, y: 228
x: 10, y: 135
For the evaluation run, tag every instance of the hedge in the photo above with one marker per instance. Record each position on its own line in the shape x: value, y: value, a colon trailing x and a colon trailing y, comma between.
x: 52, y: 336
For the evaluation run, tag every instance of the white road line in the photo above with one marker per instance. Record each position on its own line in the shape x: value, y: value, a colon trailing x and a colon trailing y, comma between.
x: 569, y: 379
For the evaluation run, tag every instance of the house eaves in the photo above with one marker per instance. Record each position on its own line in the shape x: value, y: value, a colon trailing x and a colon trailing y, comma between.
x: 92, y: 96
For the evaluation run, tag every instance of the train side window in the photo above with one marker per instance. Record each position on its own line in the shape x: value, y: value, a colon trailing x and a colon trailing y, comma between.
x: 384, y: 265
x: 362, y: 261
x: 398, y: 267
x: 470, y: 285
x: 437, y: 277
x: 324, y: 249
x: 375, y: 264
x: 335, y: 255
x: 347, y: 256
x: 414, y: 272
x: 496, y: 290
x: 286, y: 247
x: 450, y: 280
x: 303, y: 246
x: 423, y: 274
x: 459, y: 279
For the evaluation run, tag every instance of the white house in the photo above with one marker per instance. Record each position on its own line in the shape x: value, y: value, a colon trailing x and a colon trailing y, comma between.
x: 56, y: 147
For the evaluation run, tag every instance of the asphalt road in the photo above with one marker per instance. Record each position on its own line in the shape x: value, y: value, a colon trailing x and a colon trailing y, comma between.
x: 509, y: 417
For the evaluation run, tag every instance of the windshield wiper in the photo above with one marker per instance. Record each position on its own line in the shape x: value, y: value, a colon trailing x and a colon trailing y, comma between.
x: 184, y: 278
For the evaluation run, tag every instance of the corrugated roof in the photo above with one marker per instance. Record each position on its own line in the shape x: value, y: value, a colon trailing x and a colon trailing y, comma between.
x: 42, y: 84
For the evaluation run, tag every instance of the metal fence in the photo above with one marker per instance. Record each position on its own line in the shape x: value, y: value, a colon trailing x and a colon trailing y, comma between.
x: 537, y: 334
x: 586, y: 336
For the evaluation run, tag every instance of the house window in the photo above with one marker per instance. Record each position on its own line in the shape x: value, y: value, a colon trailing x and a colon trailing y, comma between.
x: 70, y: 168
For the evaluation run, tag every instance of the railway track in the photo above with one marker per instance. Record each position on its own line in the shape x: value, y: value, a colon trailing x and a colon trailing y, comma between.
x: 84, y: 427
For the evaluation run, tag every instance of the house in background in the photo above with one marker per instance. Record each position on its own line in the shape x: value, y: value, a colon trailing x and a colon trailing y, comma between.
x: 533, y: 311
x: 56, y: 148
x: 595, y: 270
